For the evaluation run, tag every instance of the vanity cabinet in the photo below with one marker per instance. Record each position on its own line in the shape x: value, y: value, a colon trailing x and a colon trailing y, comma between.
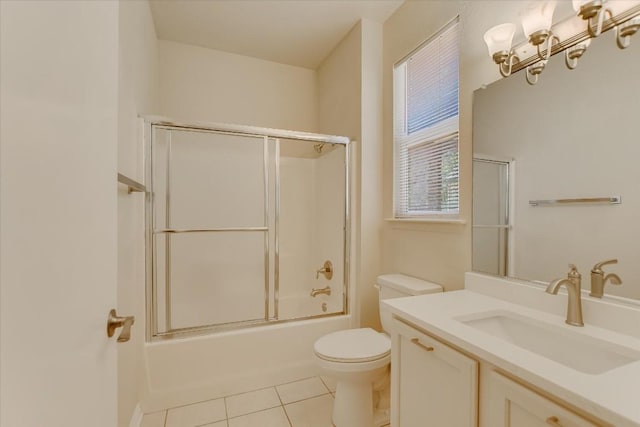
x: 510, y: 404
x: 433, y: 384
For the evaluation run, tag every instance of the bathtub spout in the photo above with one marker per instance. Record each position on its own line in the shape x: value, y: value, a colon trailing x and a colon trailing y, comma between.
x: 316, y: 291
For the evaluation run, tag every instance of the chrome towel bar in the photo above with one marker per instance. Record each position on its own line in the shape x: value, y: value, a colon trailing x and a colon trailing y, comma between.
x: 134, y: 186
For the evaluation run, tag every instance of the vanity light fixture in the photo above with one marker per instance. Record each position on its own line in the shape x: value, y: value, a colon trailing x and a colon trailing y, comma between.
x: 534, y: 71
x: 574, y: 53
x: 625, y: 30
x: 536, y: 24
x: 498, y: 40
x: 538, y: 27
x: 592, y: 11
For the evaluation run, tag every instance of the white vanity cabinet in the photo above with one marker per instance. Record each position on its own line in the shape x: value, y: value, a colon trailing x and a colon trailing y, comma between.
x: 510, y: 404
x: 436, y: 385
x: 433, y: 384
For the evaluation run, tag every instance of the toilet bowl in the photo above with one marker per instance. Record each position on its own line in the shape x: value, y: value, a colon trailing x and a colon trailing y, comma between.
x: 355, y: 358
x: 358, y: 359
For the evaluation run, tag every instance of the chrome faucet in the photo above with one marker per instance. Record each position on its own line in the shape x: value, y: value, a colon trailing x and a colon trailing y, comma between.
x: 598, y: 279
x: 574, y: 302
x: 316, y: 291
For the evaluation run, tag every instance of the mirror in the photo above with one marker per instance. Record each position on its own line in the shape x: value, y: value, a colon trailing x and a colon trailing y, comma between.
x: 574, y: 135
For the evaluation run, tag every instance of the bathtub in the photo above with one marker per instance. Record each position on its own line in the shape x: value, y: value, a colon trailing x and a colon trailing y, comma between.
x: 304, y: 305
x: 187, y: 370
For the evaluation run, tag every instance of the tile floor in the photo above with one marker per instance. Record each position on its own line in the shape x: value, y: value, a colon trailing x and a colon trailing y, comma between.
x: 304, y: 403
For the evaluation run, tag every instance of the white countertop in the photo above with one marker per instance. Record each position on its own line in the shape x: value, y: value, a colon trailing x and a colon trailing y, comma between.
x: 613, y: 396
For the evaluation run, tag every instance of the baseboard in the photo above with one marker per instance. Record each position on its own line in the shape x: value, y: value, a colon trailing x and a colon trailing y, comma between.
x: 136, y: 417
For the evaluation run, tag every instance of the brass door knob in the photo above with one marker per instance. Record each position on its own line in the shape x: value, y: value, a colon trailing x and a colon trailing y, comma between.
x: 114, y: 322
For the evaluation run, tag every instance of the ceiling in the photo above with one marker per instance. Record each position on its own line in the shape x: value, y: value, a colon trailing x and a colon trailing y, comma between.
x: 294, y: 32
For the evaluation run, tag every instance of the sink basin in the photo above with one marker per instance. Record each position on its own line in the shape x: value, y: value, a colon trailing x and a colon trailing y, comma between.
x: 575, y: 350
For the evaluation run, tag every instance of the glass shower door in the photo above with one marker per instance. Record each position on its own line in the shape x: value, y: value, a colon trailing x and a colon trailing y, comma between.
x: 239, y: 223
x: 210, y: 229
x: 491, y: 216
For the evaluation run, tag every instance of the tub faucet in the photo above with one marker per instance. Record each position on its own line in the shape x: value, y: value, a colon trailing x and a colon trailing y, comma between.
x: 326, y: 270
x: 316, y: 291
x: 574, y: 301
x: 598, y: 279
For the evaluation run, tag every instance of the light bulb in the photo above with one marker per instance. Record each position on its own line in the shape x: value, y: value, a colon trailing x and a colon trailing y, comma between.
x: 577, y: 4
x: 538, y: 17
x: 499, y: 38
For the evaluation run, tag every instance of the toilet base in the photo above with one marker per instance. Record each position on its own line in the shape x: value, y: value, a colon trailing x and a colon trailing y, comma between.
x: 353, y: 405
x: 381, y: 417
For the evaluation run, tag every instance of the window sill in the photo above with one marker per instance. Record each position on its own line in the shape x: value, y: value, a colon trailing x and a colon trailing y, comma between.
x: 458, y: 221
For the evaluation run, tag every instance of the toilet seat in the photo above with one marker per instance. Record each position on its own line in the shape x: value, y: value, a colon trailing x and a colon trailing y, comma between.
x: 353, y: 346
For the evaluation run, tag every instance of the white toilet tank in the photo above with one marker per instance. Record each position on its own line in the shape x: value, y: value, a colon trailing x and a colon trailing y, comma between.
x: 398, y: 286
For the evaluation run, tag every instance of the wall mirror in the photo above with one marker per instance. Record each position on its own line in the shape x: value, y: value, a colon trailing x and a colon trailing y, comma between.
x: 574, y: 135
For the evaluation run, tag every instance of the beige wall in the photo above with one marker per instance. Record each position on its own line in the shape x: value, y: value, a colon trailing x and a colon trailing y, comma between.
x: 198, y: 84
x: 371, y: 179
x: 436, y: 251
x: 339, y: 112
x: 346, y: 78
x: 350, y: 104
x: 137, y: 94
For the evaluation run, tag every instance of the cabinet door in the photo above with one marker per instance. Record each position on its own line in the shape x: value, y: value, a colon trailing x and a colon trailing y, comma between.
x: 433, y: 384
x: 513, y: 405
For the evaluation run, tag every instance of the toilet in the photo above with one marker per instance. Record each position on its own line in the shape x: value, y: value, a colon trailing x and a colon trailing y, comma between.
x: 358, y: 359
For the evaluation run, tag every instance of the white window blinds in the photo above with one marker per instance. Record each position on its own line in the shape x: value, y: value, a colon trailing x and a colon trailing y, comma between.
x: 426, y: 128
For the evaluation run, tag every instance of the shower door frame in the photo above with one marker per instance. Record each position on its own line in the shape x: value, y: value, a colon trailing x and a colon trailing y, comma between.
x: 506, y: 258
x: 150, y: 124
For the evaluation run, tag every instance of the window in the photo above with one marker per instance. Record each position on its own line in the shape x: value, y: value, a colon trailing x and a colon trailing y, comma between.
x: 425, y: 86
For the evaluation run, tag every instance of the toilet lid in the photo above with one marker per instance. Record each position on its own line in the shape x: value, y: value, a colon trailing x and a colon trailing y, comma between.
x: 353, y: 345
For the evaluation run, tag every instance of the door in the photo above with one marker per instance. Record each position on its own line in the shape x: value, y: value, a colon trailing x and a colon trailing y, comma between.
x: 58, y: 183
x: 433, y: 384
x: 513, y: 405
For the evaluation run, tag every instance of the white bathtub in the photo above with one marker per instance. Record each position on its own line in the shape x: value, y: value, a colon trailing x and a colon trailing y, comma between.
x: 182, y: 371
x: 304, y: 305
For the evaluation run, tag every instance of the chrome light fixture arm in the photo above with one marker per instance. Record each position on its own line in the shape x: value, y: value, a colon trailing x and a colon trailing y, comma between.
x: 532, y: 73
x: 625, y: 31
x: 594, y: 13
x: 505, y: 62
x: 572, y: 54
x: 539, y: 38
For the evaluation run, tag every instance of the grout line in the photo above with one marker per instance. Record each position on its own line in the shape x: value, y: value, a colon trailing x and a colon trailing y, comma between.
x: 254, y: 412
x: 325, y: 384
x: 286, y: 414
x: 194, y: 403
x: 294, y: 381
x: 306, y: 398
x: 250, y: 391
x: 226, y: 411
x: 166, y: 416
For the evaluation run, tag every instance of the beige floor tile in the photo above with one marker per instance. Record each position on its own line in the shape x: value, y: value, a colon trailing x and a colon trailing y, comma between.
x: 218, y: 424
x: 300, y: 390
x: 314, y: 412
x: 274, y: 417
x: 154, y: 419
x: 253, y: 401
x: 197, y: 414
